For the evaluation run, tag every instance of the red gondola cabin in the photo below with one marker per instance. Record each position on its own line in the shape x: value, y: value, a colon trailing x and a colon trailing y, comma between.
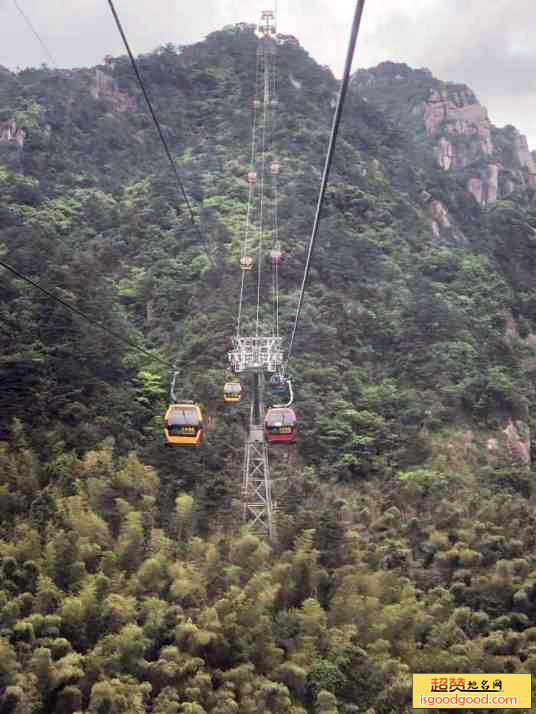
x: 281, y: 425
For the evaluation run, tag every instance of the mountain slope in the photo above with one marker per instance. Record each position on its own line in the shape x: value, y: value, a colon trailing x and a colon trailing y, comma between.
x: 405, y: 529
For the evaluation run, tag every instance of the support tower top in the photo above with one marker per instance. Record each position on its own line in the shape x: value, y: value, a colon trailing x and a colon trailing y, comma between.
x: 256, y: 354
x: 267, y: 25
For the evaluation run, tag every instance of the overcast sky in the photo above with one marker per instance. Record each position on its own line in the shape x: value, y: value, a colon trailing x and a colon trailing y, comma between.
x: 488, y: 44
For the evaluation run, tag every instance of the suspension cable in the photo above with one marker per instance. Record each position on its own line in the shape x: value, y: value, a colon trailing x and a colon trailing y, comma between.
x: 273, y: 301
x: 155, y: 120
x: 276, y: 274
x: 244, y: 254
x: 78, y: 312
x: 36, y: 34
x: 266, y: 110
x: 253, y: 169
x: 240, y: 300
x: 275, y: 196
x: 277, y: 250
x: 329, y: 156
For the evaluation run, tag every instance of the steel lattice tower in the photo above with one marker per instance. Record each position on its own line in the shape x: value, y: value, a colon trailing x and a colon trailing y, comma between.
x: 255, y: 356
x: 258, y: 355
x: 256, y: 481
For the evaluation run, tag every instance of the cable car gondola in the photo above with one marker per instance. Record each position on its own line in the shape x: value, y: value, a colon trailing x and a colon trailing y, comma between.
x: 183, y: 425
x: 279, y: 386
x: 246, y: 262
x: 281, y: 425
x: 232, y: 391
x: 276, y: 254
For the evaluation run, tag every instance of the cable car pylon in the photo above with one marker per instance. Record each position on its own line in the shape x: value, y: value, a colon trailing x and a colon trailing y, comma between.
x: 257, y: 355
x: 257, y: 505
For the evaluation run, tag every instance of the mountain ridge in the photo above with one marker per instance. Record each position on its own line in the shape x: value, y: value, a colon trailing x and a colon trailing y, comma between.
x: 405, y: 520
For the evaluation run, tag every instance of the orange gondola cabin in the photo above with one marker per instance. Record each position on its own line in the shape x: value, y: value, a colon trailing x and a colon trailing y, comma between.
x: 183, y: 425
x: 281, y: 425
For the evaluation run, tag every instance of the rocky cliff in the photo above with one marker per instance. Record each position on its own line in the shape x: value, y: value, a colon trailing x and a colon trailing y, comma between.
x: 450, y: 124
x: 473, y: 167
x: 11, y: 134
x: 105, y: 88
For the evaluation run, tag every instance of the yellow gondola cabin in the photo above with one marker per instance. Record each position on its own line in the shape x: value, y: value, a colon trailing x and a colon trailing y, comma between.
x: 232, y: 391
x: 183, y: 425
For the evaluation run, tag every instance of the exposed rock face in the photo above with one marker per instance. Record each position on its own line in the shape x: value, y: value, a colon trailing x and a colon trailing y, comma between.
x: 513, y: 446
x: 522, y: 150
x: 437, y: 212
x: 448, y: 118
x: 518, y: 440
x: 510, y: 329
x: 525, y: 158
x: 457, y: 114
x: 462, y: 130
x: 492, y: 182
x: 444, y: 152
x: 439, y: 215
x: 106, y: 88
x: 485, y: 189
x: 10, y: 134
x: 474, y: 186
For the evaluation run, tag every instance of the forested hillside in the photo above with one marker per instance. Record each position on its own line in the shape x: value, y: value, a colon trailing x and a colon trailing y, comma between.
x: 406, y: 521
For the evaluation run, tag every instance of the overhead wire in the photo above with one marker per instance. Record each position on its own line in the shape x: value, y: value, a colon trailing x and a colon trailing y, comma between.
x: 253, y: 168
x: 44, y: 290
x: 266, y: 110
x: 82, y: 314
x: 327, y: 166
x: 329, y: 157
x: 35, y: 33
x: 275, y: 193
x: 155, y: 119
x: 157, y: 124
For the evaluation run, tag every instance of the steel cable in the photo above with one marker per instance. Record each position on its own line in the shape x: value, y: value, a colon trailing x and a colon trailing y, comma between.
x: 329, y: 157
x: 78, y: 312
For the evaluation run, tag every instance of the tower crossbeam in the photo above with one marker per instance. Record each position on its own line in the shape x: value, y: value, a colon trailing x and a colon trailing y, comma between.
x: 256, y: 353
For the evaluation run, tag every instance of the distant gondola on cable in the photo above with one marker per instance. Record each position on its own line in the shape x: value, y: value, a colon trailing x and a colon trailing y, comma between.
x: 276, y: 254
x: 279, y: 386
x: 281, y: 425
x: 232, y: 392
x: 183, y: 425
x: 246, y: 262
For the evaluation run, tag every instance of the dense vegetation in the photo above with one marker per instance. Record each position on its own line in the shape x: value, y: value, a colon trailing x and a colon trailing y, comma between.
x: 405, y: 543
